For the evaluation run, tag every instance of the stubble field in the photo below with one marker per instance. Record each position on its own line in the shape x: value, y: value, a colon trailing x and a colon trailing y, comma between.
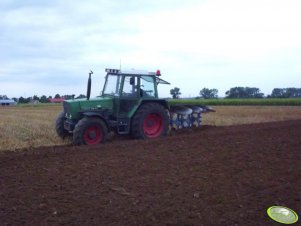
x: 33, y: 126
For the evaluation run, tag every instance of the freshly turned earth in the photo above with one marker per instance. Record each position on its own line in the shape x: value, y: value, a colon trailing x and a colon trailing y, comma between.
x: 207, y: 176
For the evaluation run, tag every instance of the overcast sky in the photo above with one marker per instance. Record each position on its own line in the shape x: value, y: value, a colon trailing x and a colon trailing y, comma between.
x: 48, y: 47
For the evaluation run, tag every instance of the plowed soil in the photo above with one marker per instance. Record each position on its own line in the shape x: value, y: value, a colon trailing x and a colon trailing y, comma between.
x: 207, y: 176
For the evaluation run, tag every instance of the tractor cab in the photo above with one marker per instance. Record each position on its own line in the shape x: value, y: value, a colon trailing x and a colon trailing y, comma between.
x: 135, y: 84
x: 129, y: 85
x: 129, y: 89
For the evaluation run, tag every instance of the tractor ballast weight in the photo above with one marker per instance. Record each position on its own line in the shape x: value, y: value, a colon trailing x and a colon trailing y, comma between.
x: 128, y: 104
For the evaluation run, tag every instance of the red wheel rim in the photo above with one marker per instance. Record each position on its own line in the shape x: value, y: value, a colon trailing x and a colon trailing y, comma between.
x: 93, y: 135
x: 153, y: 125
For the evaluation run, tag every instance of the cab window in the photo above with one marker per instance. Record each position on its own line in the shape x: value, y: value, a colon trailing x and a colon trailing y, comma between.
x: 147, y: 86
x: 129, y: 86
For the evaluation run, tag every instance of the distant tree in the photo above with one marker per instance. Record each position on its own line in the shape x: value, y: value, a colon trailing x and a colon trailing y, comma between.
x: 208, y: 93
x: 254, y: 92
x: 15, y: 99
x: 294, y: 92
x: 175, y: 92
x: 28, y: 99
x: 277, y: 93
x: 81, y: 96
x: 44, y: 99
x: 23, y: 100
x: 57, y: 96
x: 244, y: 92
x: 36, y: 98
x: 68, y: 97
x: 286, y: 93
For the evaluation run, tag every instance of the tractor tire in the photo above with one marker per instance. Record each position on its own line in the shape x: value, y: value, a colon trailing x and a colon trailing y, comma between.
x: 150, y: 121
x: 59, y: 126
x: 90, y: 131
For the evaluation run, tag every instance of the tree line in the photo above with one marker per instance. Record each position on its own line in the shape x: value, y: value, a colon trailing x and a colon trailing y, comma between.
x: 243, y: 92
x: 206, y: 93
x: 45, y: 99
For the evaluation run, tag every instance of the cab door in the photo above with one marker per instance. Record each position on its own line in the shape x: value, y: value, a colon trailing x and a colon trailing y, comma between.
x: 129, y: 96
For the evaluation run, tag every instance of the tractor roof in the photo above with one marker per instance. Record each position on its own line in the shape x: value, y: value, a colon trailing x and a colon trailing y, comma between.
x: 138, y: 72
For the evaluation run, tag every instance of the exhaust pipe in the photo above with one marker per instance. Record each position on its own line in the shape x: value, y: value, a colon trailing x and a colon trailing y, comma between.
x: 89, y: 85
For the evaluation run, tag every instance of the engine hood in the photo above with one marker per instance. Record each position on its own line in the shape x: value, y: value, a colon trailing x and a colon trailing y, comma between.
x: 73, y: 108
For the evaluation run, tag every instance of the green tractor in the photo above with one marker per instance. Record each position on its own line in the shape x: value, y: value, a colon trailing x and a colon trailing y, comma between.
x: 129, y: 104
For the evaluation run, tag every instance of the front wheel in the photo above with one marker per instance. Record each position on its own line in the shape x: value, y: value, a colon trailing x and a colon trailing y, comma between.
x: 59, y: 125
x: 150, y: 121
x: 90, y: 131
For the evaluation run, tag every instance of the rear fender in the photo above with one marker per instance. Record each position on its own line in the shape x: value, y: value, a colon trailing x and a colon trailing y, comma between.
x: 161, y: 102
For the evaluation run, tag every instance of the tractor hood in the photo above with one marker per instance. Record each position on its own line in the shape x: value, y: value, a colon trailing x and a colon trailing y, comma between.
x: 72, y: 108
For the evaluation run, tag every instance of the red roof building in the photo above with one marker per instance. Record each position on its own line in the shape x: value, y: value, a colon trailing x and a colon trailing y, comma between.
x: 56, y: 100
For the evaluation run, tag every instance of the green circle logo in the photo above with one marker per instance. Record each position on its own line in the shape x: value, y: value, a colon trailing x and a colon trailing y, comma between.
x: 282, y: 214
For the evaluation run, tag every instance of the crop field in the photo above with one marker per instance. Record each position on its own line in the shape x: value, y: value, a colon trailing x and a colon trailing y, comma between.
x: 31, y: 126
x: 243, y: 160
x: 242, y: 102
x: 27, y: 127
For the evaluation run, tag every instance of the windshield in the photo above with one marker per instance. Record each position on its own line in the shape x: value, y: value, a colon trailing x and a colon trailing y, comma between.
x: 112, y: 85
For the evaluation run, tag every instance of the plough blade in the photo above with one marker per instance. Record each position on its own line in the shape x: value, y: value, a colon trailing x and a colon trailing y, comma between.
x: 186, y: 116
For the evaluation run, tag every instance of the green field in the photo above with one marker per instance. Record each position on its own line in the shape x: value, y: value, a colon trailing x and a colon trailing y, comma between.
x: 241, y: 102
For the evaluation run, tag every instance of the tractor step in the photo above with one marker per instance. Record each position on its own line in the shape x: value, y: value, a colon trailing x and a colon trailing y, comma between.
x: 123, y: 125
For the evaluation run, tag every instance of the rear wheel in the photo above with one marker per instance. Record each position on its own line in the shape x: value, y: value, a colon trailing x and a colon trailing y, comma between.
x: 90, y: 131
x: 150, y: 121
x: 59, y: 126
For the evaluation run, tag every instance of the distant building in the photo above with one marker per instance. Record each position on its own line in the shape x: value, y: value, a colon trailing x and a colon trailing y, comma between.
x: 34, y: 102
x: 5, y: 101
x: 56, y: 100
